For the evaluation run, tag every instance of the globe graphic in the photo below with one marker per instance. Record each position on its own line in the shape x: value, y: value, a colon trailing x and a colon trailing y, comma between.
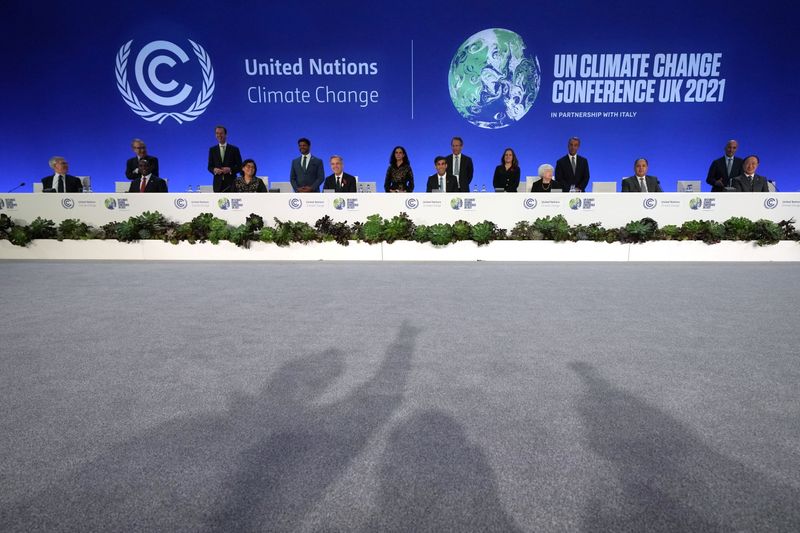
x: 493, y: 81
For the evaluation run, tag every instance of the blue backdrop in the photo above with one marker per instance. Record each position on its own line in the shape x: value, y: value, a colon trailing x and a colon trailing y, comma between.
x: 64, y: 84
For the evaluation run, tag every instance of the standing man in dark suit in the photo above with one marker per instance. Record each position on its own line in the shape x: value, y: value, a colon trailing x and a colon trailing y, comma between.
x: 722, y: 170
x: 641, y: 182
x: 132, y: 164
x: 307, y: 172
x: 147, y: 181
x: 442, y: 177
x: 572, y: 170
x: 340, y: 181
x: 749, y: 181
x: 224, y: 161
x: 60, y: 181
x: 460, y: 165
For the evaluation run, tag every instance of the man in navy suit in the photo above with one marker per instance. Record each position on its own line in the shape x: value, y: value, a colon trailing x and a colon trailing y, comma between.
x: 572, y: 170
x: 224, y: 161
x: 60, y: 181
x: 722, y: 170
x: 460, y: 165
x: 442, y: 177
x: 340, y: 181
x: 307, y: 172
x: 132, y: 164
x: 147, y: 181
x: 749, y: 181
x: 641, y: 182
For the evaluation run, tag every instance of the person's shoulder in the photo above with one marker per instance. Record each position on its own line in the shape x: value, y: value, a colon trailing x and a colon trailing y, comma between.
x: 346, y: 175
x: 564, y: 158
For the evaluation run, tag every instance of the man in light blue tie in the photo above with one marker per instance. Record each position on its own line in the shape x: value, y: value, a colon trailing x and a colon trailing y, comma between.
x: 725, y: 168
x: 307, y: 172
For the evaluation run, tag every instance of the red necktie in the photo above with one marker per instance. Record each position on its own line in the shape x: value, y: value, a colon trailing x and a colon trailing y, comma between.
x: 142, y: 184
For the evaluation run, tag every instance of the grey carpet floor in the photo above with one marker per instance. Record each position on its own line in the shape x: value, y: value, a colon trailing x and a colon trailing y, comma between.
x: 399, y: 397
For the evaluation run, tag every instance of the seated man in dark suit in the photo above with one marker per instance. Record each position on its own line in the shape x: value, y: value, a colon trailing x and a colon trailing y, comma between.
x: 442, y: 177
x: 340, y: 181
x: 132, y: 164
x: 572, y: 170
x: 60, y: 181
x: 224, y: 161
x: 749, y: 181
x: 460, y: 165
x: 725, y: 168
x: 147, y: 181
x: 307, y: 172
x: 641, y: 182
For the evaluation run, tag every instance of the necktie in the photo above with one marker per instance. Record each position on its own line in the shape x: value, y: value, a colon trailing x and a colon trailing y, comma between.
x: 60, y: 183
x: 730, y: 163
x: 222, y: 152
x: 338, y: 182
x: 642, y: 185
x: 441, y: 184
x: 573, y: 163
x: 305, y: 162
x: 456, y: 164
x: 142, y: 184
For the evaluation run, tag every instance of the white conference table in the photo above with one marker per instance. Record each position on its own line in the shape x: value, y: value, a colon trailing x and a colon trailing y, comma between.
x: 504, y: 209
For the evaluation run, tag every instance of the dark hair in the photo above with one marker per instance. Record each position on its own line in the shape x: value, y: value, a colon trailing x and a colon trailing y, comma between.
x: 758, y: 161
x: 514, y: 161
x: 405, y: 156
x: 145, y: 161
x: 459, y: 139
x: 439, y: 158
x: 223, y: 128
x: 255, y: 167
x: 573, y: 138
x: 641, y: 159
x: 303, y: 140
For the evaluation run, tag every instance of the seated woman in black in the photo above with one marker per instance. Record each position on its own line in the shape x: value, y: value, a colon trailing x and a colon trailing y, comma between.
x: 399, y: 176
x: 546, y: 183
x: 506, y: 175
x: 248, y: 182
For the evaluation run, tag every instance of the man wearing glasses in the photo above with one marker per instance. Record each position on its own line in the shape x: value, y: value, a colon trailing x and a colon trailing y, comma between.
x: 132, y: 165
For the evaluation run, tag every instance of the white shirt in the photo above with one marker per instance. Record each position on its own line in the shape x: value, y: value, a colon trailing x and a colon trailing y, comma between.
x: 55, y: 181
x: 443, y: 181
x: 641, y: 179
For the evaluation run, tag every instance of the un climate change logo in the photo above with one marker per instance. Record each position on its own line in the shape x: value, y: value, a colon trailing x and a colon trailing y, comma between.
x: 529, y: 203
x: 181, y: 203
x: 771, y: 203
x: 146, y: 73
x: 650, y: 203
x: 412, y: 203
x: 493, y: 79
x: 67, y: 203
x: 295, y: 203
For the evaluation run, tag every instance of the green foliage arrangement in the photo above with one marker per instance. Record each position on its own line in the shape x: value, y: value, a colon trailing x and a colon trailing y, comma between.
x: 206, y: 227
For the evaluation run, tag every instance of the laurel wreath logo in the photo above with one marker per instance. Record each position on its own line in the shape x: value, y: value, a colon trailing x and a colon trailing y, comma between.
x: 140, y: 108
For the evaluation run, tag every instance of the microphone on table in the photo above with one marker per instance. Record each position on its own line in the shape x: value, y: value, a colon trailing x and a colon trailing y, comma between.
x: 17, y: 187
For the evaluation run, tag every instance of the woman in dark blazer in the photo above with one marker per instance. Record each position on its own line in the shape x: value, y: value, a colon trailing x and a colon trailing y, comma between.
x: 248, y: 182
x: 506, y: 174
x: 399, y: 176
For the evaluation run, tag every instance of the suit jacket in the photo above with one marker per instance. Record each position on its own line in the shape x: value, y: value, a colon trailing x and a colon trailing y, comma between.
x: 233, y: 159
x: 348, y: 183
x: 718, y: 171
x: 506, y: 179
x: 465, y: 171
x: 632, y: 184
x: 132, y: 166
x: 567, y: 178
x: 554, y: 185
x: 742, y: 184
x: 71, y: 183
x: 451, y: 183
x: 312, y: 176
x: 154, y: 184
